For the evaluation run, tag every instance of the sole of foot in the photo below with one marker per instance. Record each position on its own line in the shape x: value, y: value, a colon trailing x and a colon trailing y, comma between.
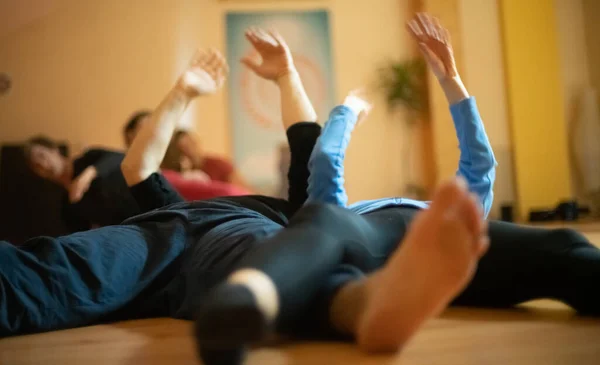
x: 437, y: 259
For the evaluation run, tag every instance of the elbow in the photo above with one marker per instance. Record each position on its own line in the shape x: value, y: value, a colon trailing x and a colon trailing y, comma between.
x: 132, y: 173
x: 128, y: 172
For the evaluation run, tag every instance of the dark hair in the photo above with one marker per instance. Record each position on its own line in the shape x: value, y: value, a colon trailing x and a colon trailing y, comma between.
x: 38, y: 141
x: 135, y: 120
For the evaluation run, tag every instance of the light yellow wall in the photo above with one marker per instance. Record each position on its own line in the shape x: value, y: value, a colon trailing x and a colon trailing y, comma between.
x: 80, y: 72
x: 573, y: 51
x: 482, y: 56
x: 536, y: 103
x: 591, y: 14
x: 574, y: 66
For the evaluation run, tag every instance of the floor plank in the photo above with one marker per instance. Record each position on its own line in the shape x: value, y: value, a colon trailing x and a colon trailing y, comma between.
x: 551, y: 336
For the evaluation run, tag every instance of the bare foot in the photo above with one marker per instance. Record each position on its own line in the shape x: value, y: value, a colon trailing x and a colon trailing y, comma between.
x: 435, y: 262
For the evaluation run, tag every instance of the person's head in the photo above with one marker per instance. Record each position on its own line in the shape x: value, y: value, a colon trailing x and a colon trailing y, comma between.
x: 182, y: 153
x: 45, y: 159
x: 133, y: 126
x: 187, y: 144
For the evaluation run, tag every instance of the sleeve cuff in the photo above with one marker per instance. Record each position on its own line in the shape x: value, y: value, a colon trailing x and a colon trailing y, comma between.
x: 465, y: 110
x: 344, y: 111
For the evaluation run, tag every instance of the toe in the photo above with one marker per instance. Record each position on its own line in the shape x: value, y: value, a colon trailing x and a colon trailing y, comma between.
x: 449, y: 195
x: 469, y: 212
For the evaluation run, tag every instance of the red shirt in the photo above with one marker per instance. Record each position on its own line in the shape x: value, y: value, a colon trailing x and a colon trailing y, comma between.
x: 217, y: 169
x: 191, y: 189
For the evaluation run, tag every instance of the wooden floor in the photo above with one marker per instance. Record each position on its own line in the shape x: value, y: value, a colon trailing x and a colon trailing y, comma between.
x: 460, y: 337
x: 544, y: 333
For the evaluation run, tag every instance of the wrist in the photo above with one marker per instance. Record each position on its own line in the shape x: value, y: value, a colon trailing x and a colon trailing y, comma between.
x: 450, y: 81
x: 454, y: 89
x: 182, y: 93
x: 290, y: 75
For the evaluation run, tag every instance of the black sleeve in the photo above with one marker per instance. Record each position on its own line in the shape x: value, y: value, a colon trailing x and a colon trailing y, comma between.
x: 154, y: 192
x: 72, y: 218
x: 302, y: 138
x: 105, y: 161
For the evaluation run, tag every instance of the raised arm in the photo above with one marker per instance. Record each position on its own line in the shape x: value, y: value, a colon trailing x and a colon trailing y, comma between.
x: 205, y: 76
x: 326, y: 181
x: 477, y: 163
x: 297, y: 113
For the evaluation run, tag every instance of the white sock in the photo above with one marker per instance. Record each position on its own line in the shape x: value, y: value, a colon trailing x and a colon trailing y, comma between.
x: 262, y: 288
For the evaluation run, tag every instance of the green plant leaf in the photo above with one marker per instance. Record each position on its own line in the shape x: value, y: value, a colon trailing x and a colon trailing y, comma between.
x: 404, y: 85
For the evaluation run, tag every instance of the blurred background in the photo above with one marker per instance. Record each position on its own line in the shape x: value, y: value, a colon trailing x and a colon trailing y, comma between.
x: 76, y: 71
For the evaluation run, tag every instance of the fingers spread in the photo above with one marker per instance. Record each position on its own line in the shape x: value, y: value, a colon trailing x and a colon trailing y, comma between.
x: 425, y: 24
x: 214, y: 61
x: 252, y: 37
x: 438, y: 29
x: 415, y: 29
x: 446, y: 37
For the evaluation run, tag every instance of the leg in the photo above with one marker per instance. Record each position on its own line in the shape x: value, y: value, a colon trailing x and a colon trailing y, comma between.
x: 326, y: 181
x: 275, y: 281
x: 437, y: 259
x: 301, y: 137
x: 287, y: 271
x: 76, y: 280
x: 526, y: 263
x: 295, y: 260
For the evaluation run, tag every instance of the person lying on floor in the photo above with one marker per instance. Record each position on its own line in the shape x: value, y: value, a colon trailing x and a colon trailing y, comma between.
x: 95, y: 192
x: 400, y: 261
x: 191, y: 183
x: 185, y: 154
x: 164, y: 261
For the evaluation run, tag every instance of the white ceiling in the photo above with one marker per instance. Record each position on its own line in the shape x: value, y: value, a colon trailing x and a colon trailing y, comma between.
x: 15, y: 14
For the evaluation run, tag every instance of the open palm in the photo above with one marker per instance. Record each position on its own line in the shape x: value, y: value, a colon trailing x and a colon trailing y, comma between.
x: 205, y: 75
x: 434, y: 41
x: 276, y: 57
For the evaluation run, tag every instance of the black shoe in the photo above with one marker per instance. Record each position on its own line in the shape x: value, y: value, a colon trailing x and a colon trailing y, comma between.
x: 227, y: 322
x: 222, y: 357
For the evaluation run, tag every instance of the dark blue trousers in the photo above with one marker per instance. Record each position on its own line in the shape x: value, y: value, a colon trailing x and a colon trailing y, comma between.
x: 53, y: 283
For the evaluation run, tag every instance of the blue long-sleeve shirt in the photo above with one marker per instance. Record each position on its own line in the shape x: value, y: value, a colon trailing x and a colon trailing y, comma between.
x: 477, y: 163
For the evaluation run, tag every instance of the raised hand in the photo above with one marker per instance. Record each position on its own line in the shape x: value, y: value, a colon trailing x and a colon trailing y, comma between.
x: 434, y: 41
x: 205, y: 75
x: 358, y: 103
x: 276, y: 57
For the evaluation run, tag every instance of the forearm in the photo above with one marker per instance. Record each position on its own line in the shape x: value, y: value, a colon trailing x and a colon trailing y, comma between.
x: 150, y: 145
x: 454, y: 89
x: 295, y: 104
